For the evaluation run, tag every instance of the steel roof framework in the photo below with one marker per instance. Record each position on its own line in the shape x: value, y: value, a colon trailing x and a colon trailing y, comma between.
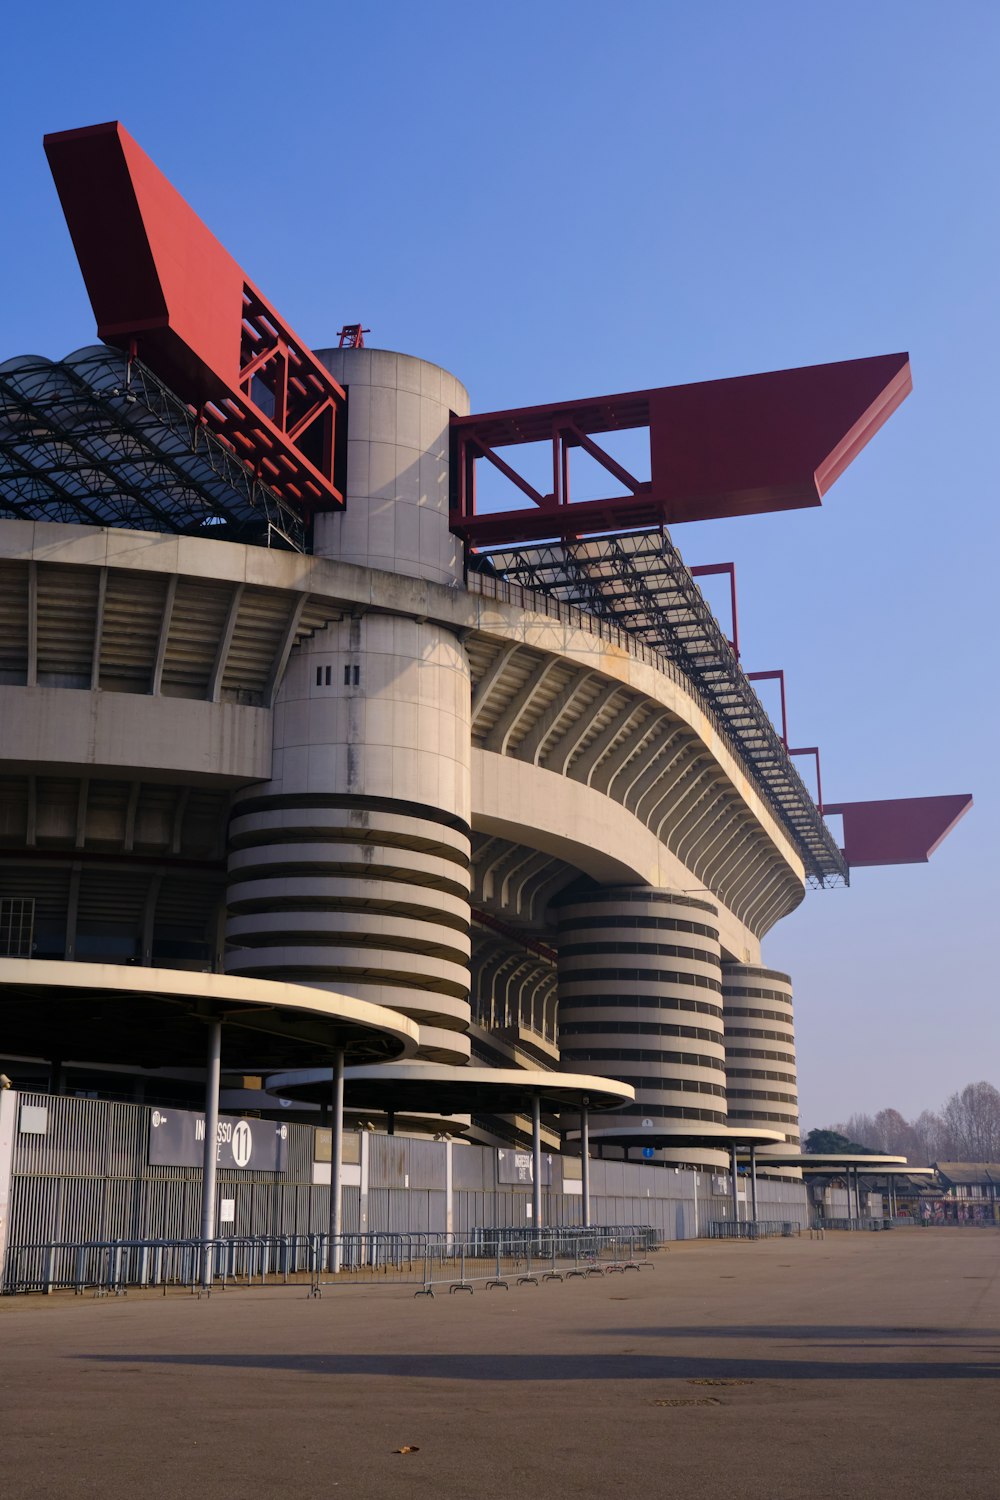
x: 640, y: 582
x: 98, y: 439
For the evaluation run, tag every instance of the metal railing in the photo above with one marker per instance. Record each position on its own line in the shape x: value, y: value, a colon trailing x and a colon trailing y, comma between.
x: 872, y: 1223
x: 763, y: 1229
x: 500, y: 1262
x: 417, y: 1257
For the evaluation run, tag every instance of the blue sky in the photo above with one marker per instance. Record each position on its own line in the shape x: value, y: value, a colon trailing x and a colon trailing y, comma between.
x: 554, y: 200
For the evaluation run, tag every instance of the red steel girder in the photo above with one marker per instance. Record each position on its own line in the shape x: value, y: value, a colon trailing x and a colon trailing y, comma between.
x: 899, y: 831
x: 162, y: 286
x: 754, y: 443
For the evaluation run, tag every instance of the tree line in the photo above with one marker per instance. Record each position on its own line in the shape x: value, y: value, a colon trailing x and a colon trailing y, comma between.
x: 966, y: 1128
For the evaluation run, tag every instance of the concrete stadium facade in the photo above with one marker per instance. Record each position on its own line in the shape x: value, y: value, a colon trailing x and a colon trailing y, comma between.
x: 370, y: 770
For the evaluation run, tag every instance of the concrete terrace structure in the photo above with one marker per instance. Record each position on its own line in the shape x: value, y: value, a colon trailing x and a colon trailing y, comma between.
x: 272, y: 709
x: 472, y: 807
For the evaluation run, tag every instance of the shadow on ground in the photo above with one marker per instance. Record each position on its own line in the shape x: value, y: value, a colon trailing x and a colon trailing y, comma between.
x: 565, y: 1367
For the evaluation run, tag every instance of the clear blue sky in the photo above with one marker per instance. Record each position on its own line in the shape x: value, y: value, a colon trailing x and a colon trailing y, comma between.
x: 555, y: 200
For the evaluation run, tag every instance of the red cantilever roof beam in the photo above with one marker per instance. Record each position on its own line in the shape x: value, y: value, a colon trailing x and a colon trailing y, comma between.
x: 897, y: 831
x: 162, y: 285
x: 717, y: 448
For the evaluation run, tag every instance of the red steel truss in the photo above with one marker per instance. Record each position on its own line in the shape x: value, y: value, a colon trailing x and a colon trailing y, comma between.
x: 716, y: 448
x: 162, y: 287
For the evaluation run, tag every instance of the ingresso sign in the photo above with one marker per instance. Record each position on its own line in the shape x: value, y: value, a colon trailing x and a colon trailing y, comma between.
x: 515, y: 1167
x: 177, y: 1139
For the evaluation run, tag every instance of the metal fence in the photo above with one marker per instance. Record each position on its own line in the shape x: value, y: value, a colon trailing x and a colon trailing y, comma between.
x: 78, y: 1171
x: 762, y: 1229
x: 463, y: 1266
x: 421, y: 1259
x: 868, y: 1223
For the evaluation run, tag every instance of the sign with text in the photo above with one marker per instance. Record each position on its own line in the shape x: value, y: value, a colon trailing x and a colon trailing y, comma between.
x: 177, y: 1139
x: 514, y: 1167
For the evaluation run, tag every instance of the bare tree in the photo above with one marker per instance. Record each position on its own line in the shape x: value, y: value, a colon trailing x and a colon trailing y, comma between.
x: 930, y: 1137
x: 967, y: 1129
x: 896, y: 1136
x: 860, y: 1128
x: 971, y: 1120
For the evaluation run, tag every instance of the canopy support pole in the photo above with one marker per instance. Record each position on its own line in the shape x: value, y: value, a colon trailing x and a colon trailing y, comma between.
x: 336, y: 1161
x: 536, y: 1161
x: 753, y: 1182
x: 736, y: 1195
x: 585, y: 1159
x: 213, y: 1075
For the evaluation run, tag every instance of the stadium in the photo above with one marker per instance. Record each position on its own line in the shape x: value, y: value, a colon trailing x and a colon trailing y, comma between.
x: 419, y: 833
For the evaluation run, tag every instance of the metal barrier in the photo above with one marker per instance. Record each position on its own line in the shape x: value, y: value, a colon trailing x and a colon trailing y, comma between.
x: 527, y: 1261
x: 114, y: 1265
x: 856, y: 1224
x: 904, y: 1221
x: 763, y: 1229
x: 378, y: 1258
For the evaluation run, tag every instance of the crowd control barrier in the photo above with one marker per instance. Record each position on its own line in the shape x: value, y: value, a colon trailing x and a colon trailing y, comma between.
x: 763, y: 1229
x: 423, y: 1259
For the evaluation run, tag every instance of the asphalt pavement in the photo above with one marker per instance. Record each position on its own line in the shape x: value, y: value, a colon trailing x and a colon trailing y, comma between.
x: 863, y: 1366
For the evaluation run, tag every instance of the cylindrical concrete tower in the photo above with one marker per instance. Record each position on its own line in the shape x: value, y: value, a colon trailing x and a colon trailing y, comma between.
x: 640, y: 1000
x: 760, y: 1049
x: 396, y: 514
x: 350, y: 867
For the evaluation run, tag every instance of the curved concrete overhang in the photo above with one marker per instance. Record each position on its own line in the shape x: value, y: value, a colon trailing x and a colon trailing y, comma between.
x: 118, y: 1012
x: 529, y: 805
x: 74, y: 730
x: 215, y: 732
x: 706, y: 1144
x: 665, y: 1135
x: 428, y: 1089
x: 820, y: 1162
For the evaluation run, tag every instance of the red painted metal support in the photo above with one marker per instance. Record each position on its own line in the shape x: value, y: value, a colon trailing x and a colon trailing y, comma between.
x: 164, y: 289
x: 900, y: 831
x: 352, y: 336
x: 812, y: 750
x: 779, y: 677
x: 705, y: 570
x: 736, y: 447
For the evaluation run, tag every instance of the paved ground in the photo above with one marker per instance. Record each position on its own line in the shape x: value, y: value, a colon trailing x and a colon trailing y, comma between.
x: 861, y: 1366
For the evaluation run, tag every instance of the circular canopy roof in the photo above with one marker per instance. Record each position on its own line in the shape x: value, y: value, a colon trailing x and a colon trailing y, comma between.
x: 432, y: 1089
x: 668, y: 1135
x: 156, y: 1017
x: 819, y: 1161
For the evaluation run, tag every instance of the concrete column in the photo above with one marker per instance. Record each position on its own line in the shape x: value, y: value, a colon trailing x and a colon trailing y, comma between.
x: 369, y: 800
x: 761, y: 1086
x: 398, y: 452
x: 360, y: 843
x: 336, y: 1162
x: 585, y: 1160
x: 673, y: 1048
x: 536, y: 1162
x: 213, y: 1072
